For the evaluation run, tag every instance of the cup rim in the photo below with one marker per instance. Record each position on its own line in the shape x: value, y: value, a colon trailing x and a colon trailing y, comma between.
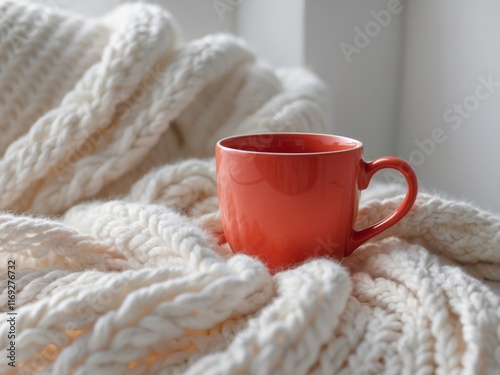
x: 359, y: 144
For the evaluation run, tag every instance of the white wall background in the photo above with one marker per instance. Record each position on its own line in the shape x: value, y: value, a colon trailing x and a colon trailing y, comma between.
x: 365, y: 89
x: 444, y: 58
x: 275, y: 29
x: 392, y: 93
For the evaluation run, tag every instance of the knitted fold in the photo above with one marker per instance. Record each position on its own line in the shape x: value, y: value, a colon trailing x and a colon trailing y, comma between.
x: 108, y: 208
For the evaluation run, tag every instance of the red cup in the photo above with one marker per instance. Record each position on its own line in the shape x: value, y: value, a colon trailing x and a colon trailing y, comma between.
x: 285, y: 197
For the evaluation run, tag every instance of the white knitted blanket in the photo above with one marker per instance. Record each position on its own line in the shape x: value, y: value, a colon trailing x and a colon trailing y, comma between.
x: 108, y: 205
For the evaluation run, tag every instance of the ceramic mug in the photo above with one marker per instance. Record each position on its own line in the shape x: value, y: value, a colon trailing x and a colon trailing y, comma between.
x: 283, y: 194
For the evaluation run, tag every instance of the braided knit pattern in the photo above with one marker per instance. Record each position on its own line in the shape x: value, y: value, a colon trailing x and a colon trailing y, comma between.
x: 108, y: 207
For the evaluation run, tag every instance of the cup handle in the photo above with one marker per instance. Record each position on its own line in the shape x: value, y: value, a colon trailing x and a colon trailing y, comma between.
x: 368, y: 170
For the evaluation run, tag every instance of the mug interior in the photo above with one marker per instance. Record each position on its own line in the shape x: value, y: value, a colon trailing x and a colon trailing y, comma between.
x: 290, y: 143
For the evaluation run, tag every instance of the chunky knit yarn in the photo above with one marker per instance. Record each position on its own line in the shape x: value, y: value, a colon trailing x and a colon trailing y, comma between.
x: 108, y: 208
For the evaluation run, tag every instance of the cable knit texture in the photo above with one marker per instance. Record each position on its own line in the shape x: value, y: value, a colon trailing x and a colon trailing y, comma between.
x: 108, y: 207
